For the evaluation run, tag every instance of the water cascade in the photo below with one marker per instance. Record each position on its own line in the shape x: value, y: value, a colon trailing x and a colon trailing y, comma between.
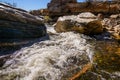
x: 49, y: 60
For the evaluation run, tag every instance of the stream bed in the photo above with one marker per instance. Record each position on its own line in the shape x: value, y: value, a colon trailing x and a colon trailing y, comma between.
x: 64, y: 56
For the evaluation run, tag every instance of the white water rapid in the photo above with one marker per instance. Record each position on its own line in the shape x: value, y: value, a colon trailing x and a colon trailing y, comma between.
x: 54, y: 59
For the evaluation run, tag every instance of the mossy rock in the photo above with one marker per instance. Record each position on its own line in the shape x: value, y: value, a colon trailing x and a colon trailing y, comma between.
x: 108, y: 57
x: 106, y: 62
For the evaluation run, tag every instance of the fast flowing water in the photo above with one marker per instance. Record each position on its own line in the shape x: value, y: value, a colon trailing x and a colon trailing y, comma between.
x: 54, y: 59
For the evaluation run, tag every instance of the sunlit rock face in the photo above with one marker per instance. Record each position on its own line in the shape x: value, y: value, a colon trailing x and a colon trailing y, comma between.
x: 86, y: 23
x: 57, y: 5
x: 18, y: 23
x: 112, y: 25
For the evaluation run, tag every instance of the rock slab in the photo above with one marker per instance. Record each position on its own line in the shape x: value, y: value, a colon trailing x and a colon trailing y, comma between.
x: 17, y: 23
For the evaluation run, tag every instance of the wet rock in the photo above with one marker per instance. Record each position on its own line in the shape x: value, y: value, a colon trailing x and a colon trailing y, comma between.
x: 3, y: 59
x: 17, y: 23
x: 103, y: 36
x: 91, y: 76
x: 107, y: 56
x: 100, y: 75
x: 106, y: 62
x: 85, y: 23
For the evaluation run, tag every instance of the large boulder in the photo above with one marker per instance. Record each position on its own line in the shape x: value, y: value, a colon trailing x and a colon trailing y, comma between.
x: 18, y: 23
x: 68, y: 25
x: 86, y: 23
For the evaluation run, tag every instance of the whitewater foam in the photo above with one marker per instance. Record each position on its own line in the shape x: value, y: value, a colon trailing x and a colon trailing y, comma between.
x: 49, y: 60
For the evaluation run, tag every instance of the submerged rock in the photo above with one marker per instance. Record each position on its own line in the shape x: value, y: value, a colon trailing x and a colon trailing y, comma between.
x: 106, y: 62
x: 107, y: 56
x: 85, y: 23
x: 3, y: 59
x: 17, y: 23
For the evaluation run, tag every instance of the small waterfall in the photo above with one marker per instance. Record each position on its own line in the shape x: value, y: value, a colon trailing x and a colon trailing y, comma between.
x: 54, y: 59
